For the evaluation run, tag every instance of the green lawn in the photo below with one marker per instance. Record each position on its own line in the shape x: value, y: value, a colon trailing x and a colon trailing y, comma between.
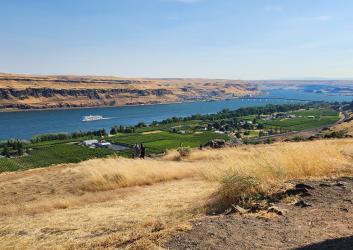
x: 160, y: 142
x: 56, y: 154
x: 322, y: 117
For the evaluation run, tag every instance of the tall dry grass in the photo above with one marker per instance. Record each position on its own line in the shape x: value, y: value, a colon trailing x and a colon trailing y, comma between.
x: 270, y: 165
x: 106, y: 174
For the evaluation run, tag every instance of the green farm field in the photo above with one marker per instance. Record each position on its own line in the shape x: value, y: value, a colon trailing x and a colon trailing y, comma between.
x: 305, y: 119
x: 51, y: 155
x: 162, y: 141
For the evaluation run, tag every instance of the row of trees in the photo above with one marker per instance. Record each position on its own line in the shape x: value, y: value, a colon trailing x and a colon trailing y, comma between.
x: 67, y: 136
x: 226, y: 114
x: 128, y: 129
x: 122, y: 129
x: 12, y: 148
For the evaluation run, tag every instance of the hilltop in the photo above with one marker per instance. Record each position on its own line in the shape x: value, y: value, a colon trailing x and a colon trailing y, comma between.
x: 286, y: 195
x: 23, y: 92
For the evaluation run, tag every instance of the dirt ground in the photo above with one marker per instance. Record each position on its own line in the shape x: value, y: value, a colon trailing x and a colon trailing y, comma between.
x: 321, y: 219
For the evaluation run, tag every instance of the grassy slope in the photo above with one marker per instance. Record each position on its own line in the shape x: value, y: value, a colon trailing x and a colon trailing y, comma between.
x: 147, y: 210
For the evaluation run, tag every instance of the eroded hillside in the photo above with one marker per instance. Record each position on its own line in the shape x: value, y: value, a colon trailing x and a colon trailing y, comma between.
x: 45, y: 92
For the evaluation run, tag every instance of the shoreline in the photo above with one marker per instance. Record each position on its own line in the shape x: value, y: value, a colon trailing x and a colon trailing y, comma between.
x: 119, y: 106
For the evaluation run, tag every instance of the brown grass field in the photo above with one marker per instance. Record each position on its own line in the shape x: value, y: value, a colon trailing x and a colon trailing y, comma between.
x: 126, y: 203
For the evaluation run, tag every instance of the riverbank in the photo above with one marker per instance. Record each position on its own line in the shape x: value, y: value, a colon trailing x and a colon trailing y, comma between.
x: 125, y: 105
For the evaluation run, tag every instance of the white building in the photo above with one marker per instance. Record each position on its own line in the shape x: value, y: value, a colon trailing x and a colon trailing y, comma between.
x: 89, y: 143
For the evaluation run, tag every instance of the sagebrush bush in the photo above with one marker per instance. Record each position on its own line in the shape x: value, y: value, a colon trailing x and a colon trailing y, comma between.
x: 184, y: 151
x: 236, y: 190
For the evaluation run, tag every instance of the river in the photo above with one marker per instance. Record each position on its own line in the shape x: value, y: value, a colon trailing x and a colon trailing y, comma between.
x: 24, y: 125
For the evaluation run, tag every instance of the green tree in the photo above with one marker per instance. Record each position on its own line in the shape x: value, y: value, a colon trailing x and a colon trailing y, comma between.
x: 6, y: 151
x: 113, y: 131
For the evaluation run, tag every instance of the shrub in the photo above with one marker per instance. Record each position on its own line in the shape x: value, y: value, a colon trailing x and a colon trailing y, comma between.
x: 236, y: 190
x: 184, y: 151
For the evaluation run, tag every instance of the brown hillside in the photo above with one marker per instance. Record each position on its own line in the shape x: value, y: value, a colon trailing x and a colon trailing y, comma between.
x: 43, y: 92
x: 138, y: 204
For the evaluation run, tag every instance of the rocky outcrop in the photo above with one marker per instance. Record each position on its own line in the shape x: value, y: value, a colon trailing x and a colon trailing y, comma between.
x: 45, y: 92
x: 89, y: 93
x: 68, y: 98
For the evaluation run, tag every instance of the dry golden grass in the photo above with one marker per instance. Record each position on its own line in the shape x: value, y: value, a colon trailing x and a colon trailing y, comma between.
x: 106, y: 203
x: 345, y: 126
x: 143, y: 215
x: 113, y: 173
x: 243, y: 172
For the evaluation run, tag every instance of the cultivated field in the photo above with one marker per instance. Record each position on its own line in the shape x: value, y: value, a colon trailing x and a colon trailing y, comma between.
x: 161, y: 141
x: 306, y: 119
x: 126, y: 203
x: 43, y: 156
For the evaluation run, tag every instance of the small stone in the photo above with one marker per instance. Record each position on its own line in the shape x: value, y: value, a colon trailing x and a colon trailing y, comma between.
x: 343, y: 209
x: 258, y: 206
x: 303, y: 185
x: 276, y: 210
x: 302, y: 204
x: 229, y: 211
x: 341, y: 184
x: 296, y: 191
x: 305, y: 195
x: 240, y: 209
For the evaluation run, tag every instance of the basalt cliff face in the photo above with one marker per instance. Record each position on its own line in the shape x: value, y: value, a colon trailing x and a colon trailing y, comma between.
x: 24, y: 92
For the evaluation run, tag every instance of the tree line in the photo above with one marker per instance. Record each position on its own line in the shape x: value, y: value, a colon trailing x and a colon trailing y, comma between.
x: 12, y: 148
x: 67, y: 136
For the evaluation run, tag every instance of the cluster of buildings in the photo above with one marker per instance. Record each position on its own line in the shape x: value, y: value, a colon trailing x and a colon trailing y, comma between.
x: 278, y: 116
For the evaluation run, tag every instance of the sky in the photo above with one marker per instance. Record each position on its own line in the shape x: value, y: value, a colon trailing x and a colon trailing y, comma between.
x: 228, y: 39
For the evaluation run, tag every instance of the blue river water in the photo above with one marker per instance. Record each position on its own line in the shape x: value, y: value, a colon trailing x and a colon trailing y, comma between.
x: 24, y: 125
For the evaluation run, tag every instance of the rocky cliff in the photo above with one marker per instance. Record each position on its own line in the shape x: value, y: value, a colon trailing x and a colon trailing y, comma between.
x: 44, y: 92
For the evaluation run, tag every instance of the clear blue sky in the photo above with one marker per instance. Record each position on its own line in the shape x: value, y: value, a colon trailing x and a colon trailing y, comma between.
x: 238, y: 39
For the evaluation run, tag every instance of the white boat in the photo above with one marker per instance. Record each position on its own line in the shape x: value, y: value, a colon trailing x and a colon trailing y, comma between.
x: 90, y: 118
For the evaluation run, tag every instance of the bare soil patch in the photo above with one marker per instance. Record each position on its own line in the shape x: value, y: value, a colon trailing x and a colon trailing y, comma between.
x: 152, y: 132
x: 319, y: 219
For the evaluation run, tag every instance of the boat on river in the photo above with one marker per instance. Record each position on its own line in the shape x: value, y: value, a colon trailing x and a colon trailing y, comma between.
x: 91, y: 118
